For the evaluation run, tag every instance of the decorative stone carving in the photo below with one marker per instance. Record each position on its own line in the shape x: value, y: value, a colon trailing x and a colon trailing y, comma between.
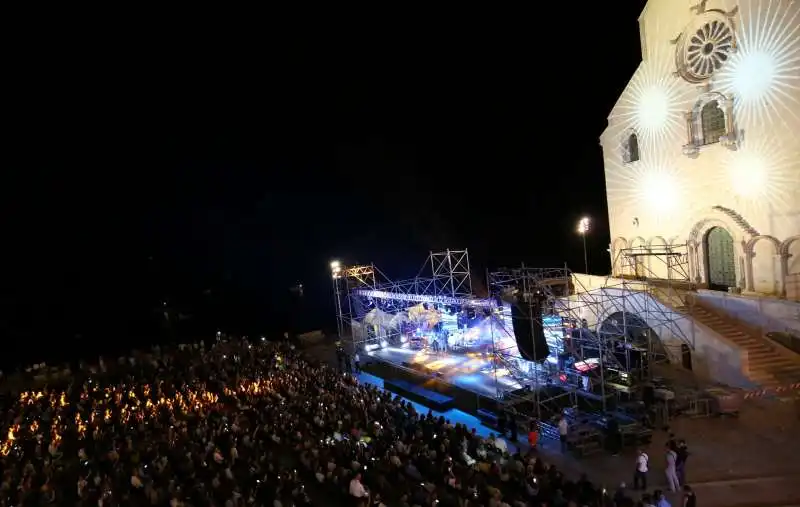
x: 690, y: 148
x: 705, y: 44
x: 694, y: 128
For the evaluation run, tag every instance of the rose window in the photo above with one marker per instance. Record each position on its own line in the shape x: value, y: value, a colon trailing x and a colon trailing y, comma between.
x: 705, y: 47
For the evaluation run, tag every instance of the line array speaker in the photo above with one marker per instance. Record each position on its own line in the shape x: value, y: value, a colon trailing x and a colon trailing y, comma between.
x: 528, y: 331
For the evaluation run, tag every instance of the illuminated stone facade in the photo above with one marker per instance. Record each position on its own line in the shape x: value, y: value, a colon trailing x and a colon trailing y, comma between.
x: 702, y: 149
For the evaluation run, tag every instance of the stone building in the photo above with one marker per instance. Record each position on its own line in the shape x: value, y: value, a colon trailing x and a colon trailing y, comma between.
x: 702, y: 149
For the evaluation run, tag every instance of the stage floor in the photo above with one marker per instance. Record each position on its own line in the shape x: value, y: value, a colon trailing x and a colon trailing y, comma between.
x: 471, y: 371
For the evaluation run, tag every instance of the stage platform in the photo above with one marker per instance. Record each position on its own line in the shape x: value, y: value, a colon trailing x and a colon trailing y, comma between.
x: 472, y: 372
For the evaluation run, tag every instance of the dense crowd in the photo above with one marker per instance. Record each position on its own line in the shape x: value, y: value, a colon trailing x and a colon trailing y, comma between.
x: 240, y: 424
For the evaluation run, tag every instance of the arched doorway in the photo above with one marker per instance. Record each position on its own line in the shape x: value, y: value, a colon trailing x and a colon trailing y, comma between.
x: 634, y: 343
x: 720, y: 260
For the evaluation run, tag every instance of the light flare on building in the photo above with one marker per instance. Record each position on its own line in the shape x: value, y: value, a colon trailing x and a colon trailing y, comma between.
x: 763, y: 75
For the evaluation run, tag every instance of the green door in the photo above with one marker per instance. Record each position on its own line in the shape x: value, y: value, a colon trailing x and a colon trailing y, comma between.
x: 720, y: 262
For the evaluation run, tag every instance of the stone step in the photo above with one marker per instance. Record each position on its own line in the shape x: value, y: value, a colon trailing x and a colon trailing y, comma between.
x: 766, y: 367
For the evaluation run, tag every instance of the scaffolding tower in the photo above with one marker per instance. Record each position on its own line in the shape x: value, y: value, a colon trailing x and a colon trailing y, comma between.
x: 655, y: 281
x: 548, y: 387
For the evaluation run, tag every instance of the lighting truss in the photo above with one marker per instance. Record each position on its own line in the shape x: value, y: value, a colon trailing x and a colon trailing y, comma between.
x: 451, y: 275
x: 422, y: 298
x: 345, y: 280
x: 449, y: 283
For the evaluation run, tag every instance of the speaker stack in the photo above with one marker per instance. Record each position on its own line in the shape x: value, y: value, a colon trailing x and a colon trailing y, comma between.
x: 526, y: 317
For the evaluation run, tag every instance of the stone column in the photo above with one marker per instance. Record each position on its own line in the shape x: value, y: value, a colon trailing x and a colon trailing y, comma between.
x: 748, y: 264
x: 690, y: 148
x: 784, y: 260
x: 730, y: 128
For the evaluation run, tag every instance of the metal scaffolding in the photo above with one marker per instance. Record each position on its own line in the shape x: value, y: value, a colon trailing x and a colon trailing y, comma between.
x: 549, y: 386
x: 655, y: 281
x: 597, y: 322
x: 360, y: 289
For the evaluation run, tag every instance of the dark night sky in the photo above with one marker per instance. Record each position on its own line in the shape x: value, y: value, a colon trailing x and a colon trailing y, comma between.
x: 215, y: 172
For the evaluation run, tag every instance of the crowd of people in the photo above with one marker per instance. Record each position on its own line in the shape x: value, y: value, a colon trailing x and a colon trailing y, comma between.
x: 240, y: 424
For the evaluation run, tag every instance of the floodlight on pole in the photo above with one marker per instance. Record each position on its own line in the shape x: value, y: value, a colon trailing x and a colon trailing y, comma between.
x: 336, y: 269
x: 583, y: 228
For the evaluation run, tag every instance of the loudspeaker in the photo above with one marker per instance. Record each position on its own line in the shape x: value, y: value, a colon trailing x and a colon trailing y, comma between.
x: 526, y: 318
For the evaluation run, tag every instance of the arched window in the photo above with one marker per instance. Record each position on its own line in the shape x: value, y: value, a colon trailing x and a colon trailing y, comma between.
x: 712, y: 122
x: 633, y: 148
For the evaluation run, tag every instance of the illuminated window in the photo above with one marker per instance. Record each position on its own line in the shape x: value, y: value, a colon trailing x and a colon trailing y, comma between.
x: 712, y: 121
x: 633, y: 148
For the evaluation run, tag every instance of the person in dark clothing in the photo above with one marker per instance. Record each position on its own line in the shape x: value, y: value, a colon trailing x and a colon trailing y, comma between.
x: 689, y: 498
x: 512, y: 427
x: 501, y: 423
x: 614, y: 436
x: 340, y: 357
x: 680, y: 462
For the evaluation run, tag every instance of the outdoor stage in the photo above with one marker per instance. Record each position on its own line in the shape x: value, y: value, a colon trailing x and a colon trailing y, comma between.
x: 470, y: 371
x: 522, y: 336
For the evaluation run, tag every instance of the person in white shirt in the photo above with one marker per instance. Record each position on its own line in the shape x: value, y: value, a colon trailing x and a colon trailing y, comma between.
x: 357, y: 490
x: 640, y: 476
x: 563, y: 431
x: 501, y: 446
x: 671, y: 470
x: 357, y: 361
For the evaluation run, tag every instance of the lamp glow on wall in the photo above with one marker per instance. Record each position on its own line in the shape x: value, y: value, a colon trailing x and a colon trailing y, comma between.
x: 764, y: 73
x: 651, y: 186
x: 654, y: 102
x: 764, y: 173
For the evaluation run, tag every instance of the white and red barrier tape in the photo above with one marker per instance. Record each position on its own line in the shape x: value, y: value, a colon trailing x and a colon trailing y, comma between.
x: 760, y: 393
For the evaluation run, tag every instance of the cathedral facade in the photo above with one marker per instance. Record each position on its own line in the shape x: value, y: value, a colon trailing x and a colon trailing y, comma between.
x: 702, y: 149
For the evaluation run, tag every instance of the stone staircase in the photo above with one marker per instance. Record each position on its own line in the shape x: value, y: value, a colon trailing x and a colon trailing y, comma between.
x: 767, y: 365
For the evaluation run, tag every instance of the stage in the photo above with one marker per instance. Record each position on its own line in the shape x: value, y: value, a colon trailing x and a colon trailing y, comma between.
x: 469, y: 371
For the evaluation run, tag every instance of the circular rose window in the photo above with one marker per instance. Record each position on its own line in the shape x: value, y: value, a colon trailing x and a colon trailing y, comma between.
x: 704, y: 47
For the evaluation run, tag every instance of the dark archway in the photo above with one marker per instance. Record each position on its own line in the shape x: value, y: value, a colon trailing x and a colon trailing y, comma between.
x: 632, y: 340
x: 720, y: 261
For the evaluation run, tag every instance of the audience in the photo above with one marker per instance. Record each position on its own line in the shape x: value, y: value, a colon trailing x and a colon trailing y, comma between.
x: 240, y: 424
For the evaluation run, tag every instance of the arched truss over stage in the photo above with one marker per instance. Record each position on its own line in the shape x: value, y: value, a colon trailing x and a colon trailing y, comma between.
x: 365, y: 287
x: 382, y: 317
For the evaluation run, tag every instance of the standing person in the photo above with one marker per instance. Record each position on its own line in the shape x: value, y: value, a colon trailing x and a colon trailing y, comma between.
x: 563, y: 431
x: 340, y: 356
x: 357, y: 361
x: 671, y: 471
x: 533, y: 434
x: 680, y: 466
x: 614, y: 436
x: 512, y: 425
x: 347, y: 367
x: 640, y: 475
x: 689, y: 498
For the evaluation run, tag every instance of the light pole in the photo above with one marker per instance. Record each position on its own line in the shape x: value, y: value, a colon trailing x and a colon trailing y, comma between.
x: 336, y: 273
x: 583, y: 228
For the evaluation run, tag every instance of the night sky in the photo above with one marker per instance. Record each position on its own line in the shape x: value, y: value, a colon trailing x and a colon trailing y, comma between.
x: 214, y: 171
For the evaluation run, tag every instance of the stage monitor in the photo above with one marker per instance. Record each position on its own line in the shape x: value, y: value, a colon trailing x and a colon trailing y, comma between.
x: 526, y: 318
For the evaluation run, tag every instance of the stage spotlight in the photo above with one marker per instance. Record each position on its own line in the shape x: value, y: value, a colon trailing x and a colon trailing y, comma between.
x: 336, y: 269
